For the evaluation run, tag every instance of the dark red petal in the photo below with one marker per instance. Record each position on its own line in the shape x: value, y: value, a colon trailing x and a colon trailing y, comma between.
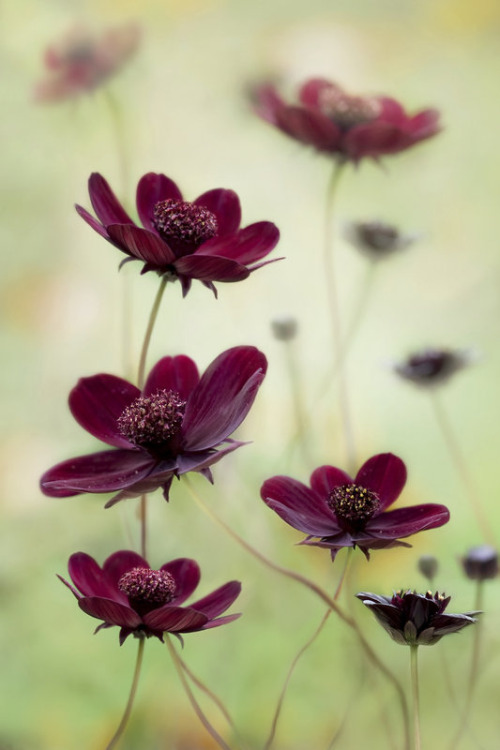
x: 107, y: 471
x: 119, y: 563
x: 207, y: 268
x: 299, y: 506
x: 375, y: 139
x: 142, y: 244
x: 152, y: 189
x: 391, y: 111
x: 225, y: 204
x: 88, y: 576
x: 424, y: 124
x: 201, y: 460
x: 111, y: 612
x: 311, y: 91
x: 324, y: 479
x: 218, y: 601
x: 223, y: 397
x: 186, y: 574
x: 384, y: 474
x: 174, y: 619
x: 407, y: 521
x: 247, y: 246
x: 108, y: 208
x: 220, y: 621
x: 178, y: 374
x: 267, y: 102
x: 96, y: 226
x: 309, y: 126
x: 97, y: 402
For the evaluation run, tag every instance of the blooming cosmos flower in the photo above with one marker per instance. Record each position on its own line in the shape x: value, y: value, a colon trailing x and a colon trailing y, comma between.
x: 416, y: 619
x: 337, y: 511
x: 431, y: 367
x: 82, y: 61
x: 145, y: 602
x: 176, y: 424
x: 181, y: 239
x: 348, y: 127
x: 376, y: 239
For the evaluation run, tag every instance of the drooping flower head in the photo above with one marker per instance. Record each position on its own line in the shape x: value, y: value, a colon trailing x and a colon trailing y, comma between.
x: 178, y: 423
x: 481, y: 563
x: 377, y: 239
x: 337, y: 511
x: 347, y: 127
x: 143, y: 602
x: 81, y: 61
x: 431, y: 367
x: 413, y: 619
x: 183, y: 240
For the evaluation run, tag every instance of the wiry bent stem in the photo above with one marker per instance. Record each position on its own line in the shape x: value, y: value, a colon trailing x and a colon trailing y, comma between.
x: 128, y: 709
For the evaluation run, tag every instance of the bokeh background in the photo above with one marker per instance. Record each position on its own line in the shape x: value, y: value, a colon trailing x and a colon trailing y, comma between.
x: 183, y: 110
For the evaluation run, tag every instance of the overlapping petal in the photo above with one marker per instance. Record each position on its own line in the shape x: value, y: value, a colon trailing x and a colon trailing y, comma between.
x: 405, y: 522
x: 299, y: 506
x: 248, y: 246
x: 178, y: 374
x: 225, y: 204
x: 106, y: 205
x: 384, y: 474
x: 151, y: 189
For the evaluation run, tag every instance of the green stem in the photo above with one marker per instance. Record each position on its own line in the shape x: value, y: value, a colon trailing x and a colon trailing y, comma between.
x: 149, y: 330
x: 143, y: 511
x: 415, y: 696
x: 133, y: 690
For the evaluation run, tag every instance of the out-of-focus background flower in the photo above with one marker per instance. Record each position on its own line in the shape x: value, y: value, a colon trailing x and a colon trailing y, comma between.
x: 180, y: 107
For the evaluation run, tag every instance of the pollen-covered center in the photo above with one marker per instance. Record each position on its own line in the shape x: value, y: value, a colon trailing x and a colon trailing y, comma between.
x: 347, y: 111
x: 353, y: 504
x: 184, y: 225
x: 143, y: 585
x: 150, y: 421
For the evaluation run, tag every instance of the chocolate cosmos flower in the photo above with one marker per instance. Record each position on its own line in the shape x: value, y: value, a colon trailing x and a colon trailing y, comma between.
x: 348, y: 127
x: 376, y: 239
x: 431, y: 367
x: 199, y: 240
x: 481, y: 563
x: 175, y: 425
x: 337, y: 511
x: 145, y: 602
x: 413, y: 619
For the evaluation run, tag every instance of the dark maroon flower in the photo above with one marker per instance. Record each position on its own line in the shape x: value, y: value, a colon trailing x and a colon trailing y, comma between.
x: 431, y: 367
x: 481, y: 563
x: 177, y: 424
x: 413, y: 619
x: 145, y: 602
x: 81, y: 61
x: 349, y: 127
x: 183, y: 240
x: 337, y: 511
x: 376, y: 239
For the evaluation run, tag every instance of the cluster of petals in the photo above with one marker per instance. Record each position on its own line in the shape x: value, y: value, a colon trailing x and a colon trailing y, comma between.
x: 349, y: 127
x: 81, y: 61
x: 381, y: 478
x: 226, y: 253
x: 214, y: 406
x: 99, y: 595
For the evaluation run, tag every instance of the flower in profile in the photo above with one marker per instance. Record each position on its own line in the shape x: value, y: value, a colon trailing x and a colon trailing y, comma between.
x: 184, y: 240
x: 178, y: 423
x: 347, y: 127
x: 413, y: 619
x: 81, y: 61
x: 337, y: 511
x: 377, y: 239
x: 431, y: 367
x: 481, y: 563
x: 143, y: 602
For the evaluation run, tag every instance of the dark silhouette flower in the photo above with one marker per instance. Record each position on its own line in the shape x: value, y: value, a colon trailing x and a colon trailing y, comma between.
x: 348, y: 127
x: 182, y: 240
x: 178, y: 423
x: 337, y: 511
x: 81, y: 61
x: 431, y: 367
x: 143, y: 602
x: 428, y: 566
x: 416, y: 619
x: 481, y: 563
x: 377, y: 239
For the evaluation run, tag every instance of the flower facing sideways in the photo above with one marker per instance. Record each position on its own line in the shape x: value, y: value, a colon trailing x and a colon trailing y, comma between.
x: 337, y: 511
x: 176, y: 424
x: 143, y: 602
x: 348, y: 127
x: 414, y: 619
x: 432, y: 367
x: 181, y: 239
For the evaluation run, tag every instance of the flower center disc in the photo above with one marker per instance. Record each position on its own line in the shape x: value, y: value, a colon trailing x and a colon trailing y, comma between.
x: 146, y: 586
x: 183, y: 225
x: 347, y: 111
x: 353, y: 504
x: 150, y: 421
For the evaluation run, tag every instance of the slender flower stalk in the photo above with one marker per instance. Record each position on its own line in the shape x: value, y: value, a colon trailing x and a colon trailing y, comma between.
x: 149, y: 330
x: 415, y: 696
x: 133, y: 690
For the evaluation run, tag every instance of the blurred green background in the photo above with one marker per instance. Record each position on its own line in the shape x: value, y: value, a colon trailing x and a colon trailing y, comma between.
x: 184, y: 112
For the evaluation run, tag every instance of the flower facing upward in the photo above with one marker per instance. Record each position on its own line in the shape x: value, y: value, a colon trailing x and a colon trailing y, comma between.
x: 348, y: 127
x: 82, y: 61
x: 145, y: 602
x: 413, y: 619
x: 177, y: 424
x: 182, y: 240
x: 431, y: 367
x: 337, y: 511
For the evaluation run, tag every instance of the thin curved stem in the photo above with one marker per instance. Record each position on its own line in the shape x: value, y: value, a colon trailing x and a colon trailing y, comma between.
x: 133, y: 690
x: 149, y: 330
x: 347, y: 619
x: 194, y: 703
x: 143, y: 513
x: 415, y: 697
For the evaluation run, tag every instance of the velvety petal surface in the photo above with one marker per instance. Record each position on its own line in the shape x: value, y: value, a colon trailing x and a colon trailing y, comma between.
x: 299, y: 506
x: 96, y: 225
x: 324, y: 479
x: 186, y: 573
x: 141, y: 243
x: 178, y: 374
x: 218, y: 601
x: 151, y: 189
x: 174, y: 619
x: 313, y: 90
x: 310, y: 127
x: 384, y: 474
x: 108, y: 208
x: 220, y: 621
x: 248, y: 246
x: 210, y: 268
x: 97, y: 402
x: 110, y: 611
x: 407, y: 521
x: 88, y: 576
x: 119, y: 563
x: 225, y: 204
